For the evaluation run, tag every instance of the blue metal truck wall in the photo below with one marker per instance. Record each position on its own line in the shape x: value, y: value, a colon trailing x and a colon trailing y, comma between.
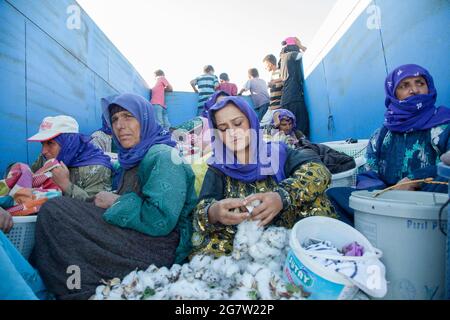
x: 47, y: 69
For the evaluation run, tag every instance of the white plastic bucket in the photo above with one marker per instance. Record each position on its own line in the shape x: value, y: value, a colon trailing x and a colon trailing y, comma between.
x: 302, y: 270
x: 404, y: 224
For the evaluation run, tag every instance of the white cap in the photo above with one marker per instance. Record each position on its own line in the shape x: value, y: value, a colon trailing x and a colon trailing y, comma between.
x: 51, y: 127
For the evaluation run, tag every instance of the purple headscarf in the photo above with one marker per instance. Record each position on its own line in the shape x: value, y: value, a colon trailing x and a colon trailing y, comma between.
x: 105, y: 125
x: 151, y: 132
x: 77, y: 151
x: 284, y: 114
x: 212, y: 101
x: 270, y: 157
x: 416, y: 112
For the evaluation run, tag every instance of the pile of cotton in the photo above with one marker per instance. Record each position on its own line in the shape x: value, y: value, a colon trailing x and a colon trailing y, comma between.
x: 253, y: 271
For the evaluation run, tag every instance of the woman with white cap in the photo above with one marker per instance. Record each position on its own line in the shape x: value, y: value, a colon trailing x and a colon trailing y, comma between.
x: 85, y: 170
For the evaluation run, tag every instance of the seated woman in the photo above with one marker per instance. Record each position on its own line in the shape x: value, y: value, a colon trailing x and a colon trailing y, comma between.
x: 148, y: 222
x: 409, y: 144
x: 85, y: 170
x: 284, y: 128
x: 290, y: 184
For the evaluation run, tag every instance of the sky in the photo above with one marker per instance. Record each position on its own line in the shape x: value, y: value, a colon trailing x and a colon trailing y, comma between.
x: 182, y: 36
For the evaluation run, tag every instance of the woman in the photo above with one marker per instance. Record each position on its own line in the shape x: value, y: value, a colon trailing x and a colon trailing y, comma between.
x: 283, y: 128
x: 147, y: 222
x: 290, y: 184
x: 409, y: 144
x: 84, y: 171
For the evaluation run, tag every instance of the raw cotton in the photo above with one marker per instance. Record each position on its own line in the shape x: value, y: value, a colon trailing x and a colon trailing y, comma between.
x: 252, y: 272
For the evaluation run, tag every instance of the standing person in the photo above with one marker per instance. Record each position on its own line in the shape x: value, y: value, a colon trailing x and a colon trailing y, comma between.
x: 227, y: 86
x: 158, y: 94
x: 292, y: 97
x: 205, y: 85
x: 275, y: 87
x: 258, y: 91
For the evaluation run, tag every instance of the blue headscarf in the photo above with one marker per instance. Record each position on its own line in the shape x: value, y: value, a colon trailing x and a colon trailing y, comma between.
x: 77, y: 151
x: 270, y: 157
x: 416, y: 112
x: 151, y: 132
x: 284, y: 114
x: 212, y: 101
x: 105, y: 125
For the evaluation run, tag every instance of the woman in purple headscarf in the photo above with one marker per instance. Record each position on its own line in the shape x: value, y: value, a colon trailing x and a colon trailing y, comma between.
x: 408, y: 146
x: 148, y: 221
x: 85, y: 170
x: 244, y: 170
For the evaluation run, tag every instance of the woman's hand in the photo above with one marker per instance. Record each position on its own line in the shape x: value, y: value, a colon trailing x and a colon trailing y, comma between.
x: 271, y: 205
x: 105, y: 199
x: 61, y: 176
x: 6, y: 221
x: 223, y: 212
x: 408, y: 187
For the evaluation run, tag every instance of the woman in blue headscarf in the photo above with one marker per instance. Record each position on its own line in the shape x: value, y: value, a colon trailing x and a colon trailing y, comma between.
x: 408, y: 146
x: 147, y: 222
x: 288, y: 184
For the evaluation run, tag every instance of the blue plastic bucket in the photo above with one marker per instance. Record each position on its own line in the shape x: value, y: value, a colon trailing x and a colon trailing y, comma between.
x: 303, y: 271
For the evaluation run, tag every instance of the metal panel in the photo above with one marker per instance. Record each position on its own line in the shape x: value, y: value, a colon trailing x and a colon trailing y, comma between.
x: 12, y: 87
x: 57, y: 84
x: 355, y: 72
x: 317, y: 101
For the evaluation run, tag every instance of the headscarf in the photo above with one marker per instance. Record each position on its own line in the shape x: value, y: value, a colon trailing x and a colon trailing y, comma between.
x: 284, y: 114
x: 417, y: 112
x: 212, y: 101
x: 151, y: 132
x: 105, y: 126
x: 270, y: 157
x: 77, y: 151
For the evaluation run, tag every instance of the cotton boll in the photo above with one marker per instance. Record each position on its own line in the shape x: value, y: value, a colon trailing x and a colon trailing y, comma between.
x: 99, y: 293
x: 275, y: 238
x: 200, y: 262
x: 152, y: 269
x: 254, y: 268
x: 263, y: 278
x: 127, y: 281
x: 243, y: 293
x: 184, y: 290
x: 175, y: 272
x: 248, y: 281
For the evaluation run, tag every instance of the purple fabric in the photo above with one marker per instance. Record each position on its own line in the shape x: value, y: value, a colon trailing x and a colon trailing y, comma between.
x: 369, y: 180
x: 151, y: 132
x: 77, y: 151
x: 416, y: 112
x: 284, y: 114
x: 266, y: 163
x: 105, y: 125
x: 354, y: 249
x: 212, y: 101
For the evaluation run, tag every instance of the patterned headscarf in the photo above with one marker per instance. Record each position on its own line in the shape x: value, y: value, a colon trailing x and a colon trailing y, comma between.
x: 417, y: 112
